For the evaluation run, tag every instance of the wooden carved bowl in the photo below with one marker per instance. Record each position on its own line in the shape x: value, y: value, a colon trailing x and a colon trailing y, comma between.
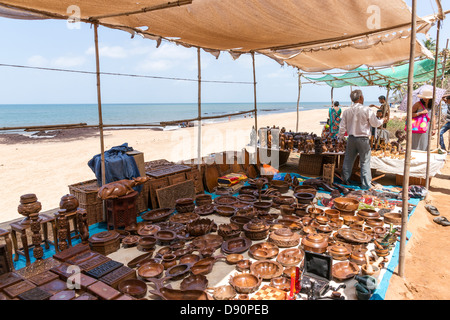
x: 150, y: 270
x: 348, y: 220
x: 173, y: 294
x: 368, y: 214
x: 248, y: 190
x: 394, y: 218
x: 344, y: 270
x: 314, y: 211
x: 205, y: 209
x: 375, y: 223
x: 245, y: 282
x: 284, y: 200
x: 304, y: 197
x: 262, y: 205
x: 157, y: 215
x: 130, y: 241
x: 203, y: 266
x: 200, y: 227
x: 280, y: 185
x: 178, y: 272
x: 203, y: 199
x: 358, y: 256
x: 147, y: 243
x: 247, y: 198
x: 346, y: 204
x: 207, y: 241
x: 243, y: 265
x: 228, y: 231
x: 140, y: 259
x: 290, y: 257
x: 148, y: 230
x: 300, y: 209
x: 225, y: 200
x: 339, y: 252
x: 264, y: 250
x: 194, y: 282
x: 184, y: 218
x: 240, y: 220
x: 183, y: 251
x: 308, y: 189
x: 266, y: 269
x: 165, y: 235
x: 189, y: 258
x: 225, y: 292
x: 332, y: 213
x: 284, y: 238
x: 234, y: 258
x: 236, y: 245
x: 322, y: 219
x: 281, y: 283
x: 133, y: 287
x: 184, y: 205
x: 287, y: 209
x: 225, y: 211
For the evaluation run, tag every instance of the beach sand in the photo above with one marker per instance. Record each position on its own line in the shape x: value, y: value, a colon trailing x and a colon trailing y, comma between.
x: 47, y: 167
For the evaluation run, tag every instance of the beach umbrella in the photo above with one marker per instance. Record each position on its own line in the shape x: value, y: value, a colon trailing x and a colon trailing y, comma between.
x: 439, y: 94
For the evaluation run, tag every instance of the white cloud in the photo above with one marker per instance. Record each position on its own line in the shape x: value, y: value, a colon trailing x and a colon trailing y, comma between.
x: 59, y: 62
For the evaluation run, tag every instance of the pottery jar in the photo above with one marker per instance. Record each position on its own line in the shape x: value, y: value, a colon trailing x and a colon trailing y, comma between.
x: 169, y: 260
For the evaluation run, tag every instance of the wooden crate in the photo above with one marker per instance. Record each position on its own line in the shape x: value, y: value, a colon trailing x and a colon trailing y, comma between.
x: 143, y: 198
x: 412, y: 181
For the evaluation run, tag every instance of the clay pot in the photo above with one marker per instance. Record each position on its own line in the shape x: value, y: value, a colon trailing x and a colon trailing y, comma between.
x: 332, y: 213
x: 315, y: 242
x: 304, y: 197
x: 203, y: 199
x: 133, y: 287
x: 346, y: 204
x: 339, y: 252
x: 69, y: 202
x: 284, y: 238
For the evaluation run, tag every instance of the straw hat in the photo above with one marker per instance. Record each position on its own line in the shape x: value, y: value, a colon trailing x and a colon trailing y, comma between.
x: 447, y: 94
x: 426, y: 94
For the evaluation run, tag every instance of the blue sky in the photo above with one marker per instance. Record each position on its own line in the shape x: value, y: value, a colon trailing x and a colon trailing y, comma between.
x: 51, y: 43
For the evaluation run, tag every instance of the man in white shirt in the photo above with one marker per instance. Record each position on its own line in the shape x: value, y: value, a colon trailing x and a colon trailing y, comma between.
x: 357, y: 121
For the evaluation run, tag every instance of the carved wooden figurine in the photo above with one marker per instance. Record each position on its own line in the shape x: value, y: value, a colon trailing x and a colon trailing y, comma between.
x: 83, y: 225
x: 35, y: 226
x: 63, y: 229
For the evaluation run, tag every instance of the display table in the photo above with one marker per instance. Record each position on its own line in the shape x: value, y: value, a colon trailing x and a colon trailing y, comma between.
x: 418, y: 164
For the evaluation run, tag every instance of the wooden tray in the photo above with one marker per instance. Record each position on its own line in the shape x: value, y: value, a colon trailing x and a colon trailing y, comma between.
x: 35, y: 294
x: 269, y: 293
x: 168, y: 170
x: 43, y: 278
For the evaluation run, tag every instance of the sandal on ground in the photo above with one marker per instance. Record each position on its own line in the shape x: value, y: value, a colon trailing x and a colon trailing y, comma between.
x: 442, y: 221
x: 432, y: 209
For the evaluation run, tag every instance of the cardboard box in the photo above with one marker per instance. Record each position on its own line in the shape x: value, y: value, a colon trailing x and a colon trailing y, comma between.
x: 139, y: 158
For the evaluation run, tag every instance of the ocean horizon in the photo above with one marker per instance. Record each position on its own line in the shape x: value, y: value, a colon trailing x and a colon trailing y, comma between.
x: 24, y: 115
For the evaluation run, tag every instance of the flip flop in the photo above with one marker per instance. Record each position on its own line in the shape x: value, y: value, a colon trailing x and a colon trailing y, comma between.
x: 432, y: 209
x: 443, y: 221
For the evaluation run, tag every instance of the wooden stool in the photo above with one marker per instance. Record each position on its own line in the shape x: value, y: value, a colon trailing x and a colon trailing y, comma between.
x: 5, y: 234
x: 121, y: 212
x: 22, y: 229
x: 72, y: 216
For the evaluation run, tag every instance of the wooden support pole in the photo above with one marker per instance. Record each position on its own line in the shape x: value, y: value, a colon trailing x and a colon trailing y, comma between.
x: 405, y: 193
x: 298, y: 100
x: 199, y: 138
x: 332, y: 96
x: 99, y: 103
x: 254, y: 97
x: 432, y: 125
x: 442, y: 86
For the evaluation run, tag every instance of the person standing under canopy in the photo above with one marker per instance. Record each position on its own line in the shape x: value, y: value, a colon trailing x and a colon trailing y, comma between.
x: 421, y: 120
x: 357, y: 121
x: 446, y: 126
x: 335, y: 119
x: 384, y: 107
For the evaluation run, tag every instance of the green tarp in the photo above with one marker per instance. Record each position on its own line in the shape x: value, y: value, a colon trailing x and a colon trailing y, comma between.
x: 392, y: 76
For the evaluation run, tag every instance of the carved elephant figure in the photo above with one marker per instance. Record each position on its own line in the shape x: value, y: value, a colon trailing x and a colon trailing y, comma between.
x: 119, y: 188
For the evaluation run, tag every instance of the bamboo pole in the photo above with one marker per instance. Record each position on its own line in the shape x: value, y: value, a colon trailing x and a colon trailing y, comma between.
x: 442, y: 86
x: 99, y: 103
x: 405, y: 193
x: 332, y: 96
x: 199, y: 138
x: 433, y: 108
x: 298, y: 100
x: 254, y: 97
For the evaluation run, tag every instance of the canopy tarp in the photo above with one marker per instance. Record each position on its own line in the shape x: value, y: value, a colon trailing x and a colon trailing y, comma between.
x: 307, y: 29
x: 386, y: 77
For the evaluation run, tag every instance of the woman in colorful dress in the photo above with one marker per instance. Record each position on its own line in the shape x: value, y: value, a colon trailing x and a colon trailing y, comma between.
x: 335, y: 119
x: 421, y: 112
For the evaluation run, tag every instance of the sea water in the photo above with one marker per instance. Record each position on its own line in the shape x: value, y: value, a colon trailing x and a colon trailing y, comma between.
x: 22, y: 115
